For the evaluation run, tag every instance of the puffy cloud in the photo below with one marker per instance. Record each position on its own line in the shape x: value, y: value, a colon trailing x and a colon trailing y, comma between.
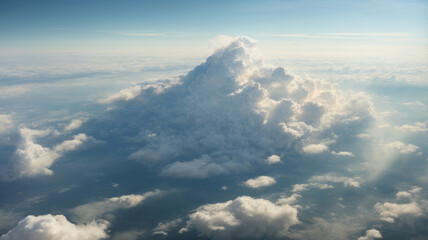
x: 6, y: 122
x: 258, y: 182
x: 403, y: 194
x: 32, y: 159
x: 164, y: 228
x: 390, y: 211
x: 125, y: 95
x: 244, y: 217
x: 229, y: 113
x: 346, y: 154
x: 55, y: 227
x: 315, y: 148
x: 96, y: 210
x: 371, y: 235
x: 417, y: 127
x: 74, y: 124
x: 305, y: 186
x: 289, y: 200
x: 401, y: 147
x: 347, y: 181
x: 273, y: 159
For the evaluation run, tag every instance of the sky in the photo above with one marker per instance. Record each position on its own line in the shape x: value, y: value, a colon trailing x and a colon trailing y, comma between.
x: 213, y: 120
x: 153, y: 26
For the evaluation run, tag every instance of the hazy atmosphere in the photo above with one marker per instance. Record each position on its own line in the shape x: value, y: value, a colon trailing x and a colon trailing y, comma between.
x: 221, y: 120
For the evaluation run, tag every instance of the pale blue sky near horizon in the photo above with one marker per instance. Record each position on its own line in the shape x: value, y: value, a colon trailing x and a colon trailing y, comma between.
x: 140, y: 26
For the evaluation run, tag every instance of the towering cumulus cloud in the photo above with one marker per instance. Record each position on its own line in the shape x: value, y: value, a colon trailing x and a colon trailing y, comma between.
x: 232, y: 112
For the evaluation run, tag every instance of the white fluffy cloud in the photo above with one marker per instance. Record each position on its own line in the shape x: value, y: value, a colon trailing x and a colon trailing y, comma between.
x: 315, y: 148
x: 74, y: 124
x: 306, y: 186
x: 371, y: 235
x: 400, y: 147
x: 95, y: 210
x: 32, y: 159
x: 55, y: 227
x: 242, y: 218
x: 273, y: 159
x: 258, y: 182
x: 231, y: 112
x: 390, y: 211
x: 417, y: 127
x: 125, y: 94
x: 288, y: 200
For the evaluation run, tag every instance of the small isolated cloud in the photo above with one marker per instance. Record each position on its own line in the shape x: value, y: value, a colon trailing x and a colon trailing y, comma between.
x: 417, y: 127
x: 32, y: 159
x: 73, y: 125
x: 95, y: 210
x: 125, y: 95
x: 390, y: 211
x: 164, y: 228
x: 400, y: 147
x: 315, y: 148
x: 345, y: 154
x: 273, y: 159
x: 242, y: 218
x: 258, y: 182
x: 198, y: 168
x: 6, y: 122
x: 55, y: 227
x: 371, y: 235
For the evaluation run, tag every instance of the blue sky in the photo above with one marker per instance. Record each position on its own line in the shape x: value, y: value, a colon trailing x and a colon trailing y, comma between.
x: 67, y: 25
